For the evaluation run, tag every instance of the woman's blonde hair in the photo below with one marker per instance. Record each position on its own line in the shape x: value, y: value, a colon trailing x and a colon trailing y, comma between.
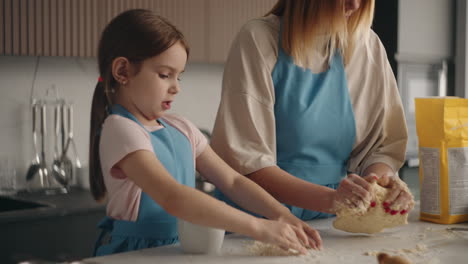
x: 305, y: 20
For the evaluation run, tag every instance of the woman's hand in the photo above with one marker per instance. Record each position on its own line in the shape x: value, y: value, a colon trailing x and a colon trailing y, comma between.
x: 309, y: 237
x: 399, y: 199
x: 353, y: 191
x: 279, y: 233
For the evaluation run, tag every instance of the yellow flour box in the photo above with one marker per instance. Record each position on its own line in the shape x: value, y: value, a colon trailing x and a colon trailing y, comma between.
x: 442, y: 128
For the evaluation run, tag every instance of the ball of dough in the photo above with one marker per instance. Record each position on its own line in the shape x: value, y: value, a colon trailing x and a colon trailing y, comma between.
x: 368, y: 220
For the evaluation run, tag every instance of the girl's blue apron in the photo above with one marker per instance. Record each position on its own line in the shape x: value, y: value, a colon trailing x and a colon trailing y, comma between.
x: 154, y: 227
x: 315, y: 126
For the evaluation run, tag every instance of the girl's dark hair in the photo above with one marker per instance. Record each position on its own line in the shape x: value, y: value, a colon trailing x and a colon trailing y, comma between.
x: 137, y: 35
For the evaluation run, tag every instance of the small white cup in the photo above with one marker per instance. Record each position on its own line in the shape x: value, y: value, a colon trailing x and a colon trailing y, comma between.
x: 196, y: 239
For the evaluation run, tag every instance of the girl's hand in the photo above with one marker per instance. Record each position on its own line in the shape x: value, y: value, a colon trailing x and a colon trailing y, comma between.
x: 278, y: 233
x: 309, y: 237
x: 399, y: 199
x: 353, y: 191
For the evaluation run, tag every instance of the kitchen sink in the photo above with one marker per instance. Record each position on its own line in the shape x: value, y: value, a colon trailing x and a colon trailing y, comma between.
x: 13, y: 204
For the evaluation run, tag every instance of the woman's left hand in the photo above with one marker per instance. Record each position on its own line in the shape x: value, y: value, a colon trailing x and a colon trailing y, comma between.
x: 399, y: 199
x: 309, y: 236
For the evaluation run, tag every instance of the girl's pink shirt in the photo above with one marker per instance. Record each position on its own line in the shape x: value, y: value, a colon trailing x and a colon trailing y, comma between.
x: 121, y: 136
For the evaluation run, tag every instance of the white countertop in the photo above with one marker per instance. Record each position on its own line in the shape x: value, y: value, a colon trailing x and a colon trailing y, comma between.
x: 441, y: 246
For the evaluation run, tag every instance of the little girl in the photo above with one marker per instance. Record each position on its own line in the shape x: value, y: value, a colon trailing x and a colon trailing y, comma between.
x: 143, y: 161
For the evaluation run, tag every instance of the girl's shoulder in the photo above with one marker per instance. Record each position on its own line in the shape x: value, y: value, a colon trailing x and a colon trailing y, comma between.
x: 118, y: 120
x: 179, y: 122
x: 116, y: 124
x: 189, y: 129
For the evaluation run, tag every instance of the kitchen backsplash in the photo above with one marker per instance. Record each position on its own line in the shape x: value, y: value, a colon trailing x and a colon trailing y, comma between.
x: 75, y: 79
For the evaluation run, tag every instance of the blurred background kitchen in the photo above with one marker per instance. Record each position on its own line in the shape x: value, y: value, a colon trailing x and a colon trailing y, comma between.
x: 48, y: 50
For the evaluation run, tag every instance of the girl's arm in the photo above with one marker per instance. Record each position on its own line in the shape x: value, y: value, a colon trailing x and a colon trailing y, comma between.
x: 189, y: 204
x: 249, y: 195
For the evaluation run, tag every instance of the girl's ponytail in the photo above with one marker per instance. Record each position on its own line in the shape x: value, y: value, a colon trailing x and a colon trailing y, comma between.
x: 99, y: 112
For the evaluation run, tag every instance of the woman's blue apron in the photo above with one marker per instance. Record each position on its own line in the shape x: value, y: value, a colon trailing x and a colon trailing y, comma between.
x: 315, y: 126
x: 154, y: 227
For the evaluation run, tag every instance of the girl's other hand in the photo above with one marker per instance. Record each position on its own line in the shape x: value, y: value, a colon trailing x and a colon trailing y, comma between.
x: 353, y: 191
x: 278, y: 233
x: 309, y: 237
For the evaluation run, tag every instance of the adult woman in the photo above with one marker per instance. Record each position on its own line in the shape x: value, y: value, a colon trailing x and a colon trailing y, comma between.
x: 309, y: 97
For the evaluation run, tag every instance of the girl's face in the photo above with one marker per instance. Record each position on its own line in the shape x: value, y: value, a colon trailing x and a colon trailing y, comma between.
x: 351, y: 6
x: 152, y: 90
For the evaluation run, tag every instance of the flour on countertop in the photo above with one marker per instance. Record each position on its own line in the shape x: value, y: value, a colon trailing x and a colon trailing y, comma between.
x: 371, y: 253
x: 258, y: 248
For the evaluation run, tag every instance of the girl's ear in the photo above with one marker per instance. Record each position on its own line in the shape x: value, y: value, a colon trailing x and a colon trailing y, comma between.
x: 121, y: 70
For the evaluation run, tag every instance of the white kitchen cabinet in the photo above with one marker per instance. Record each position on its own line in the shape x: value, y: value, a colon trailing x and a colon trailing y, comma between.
x: 426, y: 28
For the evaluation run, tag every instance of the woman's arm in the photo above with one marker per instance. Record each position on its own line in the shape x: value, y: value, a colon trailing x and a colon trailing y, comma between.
x: 189, y: 204
x: 389, y: 154
x: 249, y: 195
x: 294, y: 191
x: 388, y: 134
x: 379, y: 169
x: 297, y: 192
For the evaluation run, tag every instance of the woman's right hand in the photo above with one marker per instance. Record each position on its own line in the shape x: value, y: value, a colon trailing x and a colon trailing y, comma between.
x: 353, y: 191
x: 278, y: 233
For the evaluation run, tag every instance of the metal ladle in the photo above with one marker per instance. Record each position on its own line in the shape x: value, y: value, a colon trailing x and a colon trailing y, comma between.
x: 34, y: 167
x: 66, y: 163
x: 43, y: 171
x: 72, y: 140
x: 57, y: 171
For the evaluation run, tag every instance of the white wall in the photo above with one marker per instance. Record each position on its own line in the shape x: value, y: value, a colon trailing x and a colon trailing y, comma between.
x: 425, y: 27
x: 75, y: 78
